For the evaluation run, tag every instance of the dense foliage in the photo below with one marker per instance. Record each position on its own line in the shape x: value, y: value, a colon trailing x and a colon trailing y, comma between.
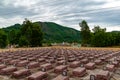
x: 100, y: 38
x: 85, y: 33
x: 34, y: 34
x: 27, y: 34
x: 3, y: 39
x: 52, y: 32
x: 31, y: 34
x: 57, y: 33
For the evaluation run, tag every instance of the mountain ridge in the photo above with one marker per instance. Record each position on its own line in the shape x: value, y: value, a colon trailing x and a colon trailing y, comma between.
x: 53, y: 32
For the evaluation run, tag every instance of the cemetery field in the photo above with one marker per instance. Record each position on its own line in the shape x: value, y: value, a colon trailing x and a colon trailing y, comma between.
x: 60, y: 63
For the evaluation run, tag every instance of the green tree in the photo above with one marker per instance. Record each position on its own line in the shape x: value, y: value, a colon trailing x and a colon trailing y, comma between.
x: 32, y: 32
x: 100, y: 37
x: 23, y: 41
x: 85, y: 32
x: 97, y: 29
x: 115, y: 38
x: 3, y: 39
x: 37, y: 35
x: 12, y: 37
x: 26, y: 29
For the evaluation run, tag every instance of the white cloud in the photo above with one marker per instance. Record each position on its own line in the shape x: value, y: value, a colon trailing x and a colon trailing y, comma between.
x: 111, y: 3
x: 10, y: 22
x: 103, y: 25
x: 64, y: 12
x: 19, y: 3
x: 113, y: 28
x: 25, y: 3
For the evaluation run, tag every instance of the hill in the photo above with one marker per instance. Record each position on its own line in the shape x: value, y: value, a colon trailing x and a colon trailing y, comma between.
x: 53, y: 32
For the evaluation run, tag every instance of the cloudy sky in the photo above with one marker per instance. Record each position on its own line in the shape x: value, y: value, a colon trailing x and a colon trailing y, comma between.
x: 105, y: 13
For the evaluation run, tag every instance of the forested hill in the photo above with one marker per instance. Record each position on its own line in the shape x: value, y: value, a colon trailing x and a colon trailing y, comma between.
x: 53, y: 32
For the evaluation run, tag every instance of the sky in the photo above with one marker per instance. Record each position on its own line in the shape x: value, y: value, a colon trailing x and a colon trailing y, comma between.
x: 105, y: 13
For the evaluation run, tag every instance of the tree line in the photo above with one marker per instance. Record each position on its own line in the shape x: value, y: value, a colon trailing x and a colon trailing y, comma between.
x: 98, y: 37
x: 29, y: 35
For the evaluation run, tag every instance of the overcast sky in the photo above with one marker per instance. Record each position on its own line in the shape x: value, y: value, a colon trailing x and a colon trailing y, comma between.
x: 105, y: 13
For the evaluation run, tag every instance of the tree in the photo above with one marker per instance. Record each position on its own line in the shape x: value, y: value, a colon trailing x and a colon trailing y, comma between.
x: 32, y: 32
x: 12, y: 36
x: 115, y: 38
x: 37, y: 35
x: 23, y: 41
x: 97, y: 29
x: 100, y: 37
x: 26, y: 30
x: 85, y: 32
x: 3, y: 39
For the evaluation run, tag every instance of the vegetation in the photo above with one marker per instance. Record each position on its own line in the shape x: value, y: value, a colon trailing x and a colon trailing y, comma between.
x: 99, y: 37
x: 34, y: 34
x: 27, y: 34
x: 23, y: 41
x: 31, y: 34
x: 52, y: 32
x: 57, y: 33
x: 3, y: 39
x: 85, y: 33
